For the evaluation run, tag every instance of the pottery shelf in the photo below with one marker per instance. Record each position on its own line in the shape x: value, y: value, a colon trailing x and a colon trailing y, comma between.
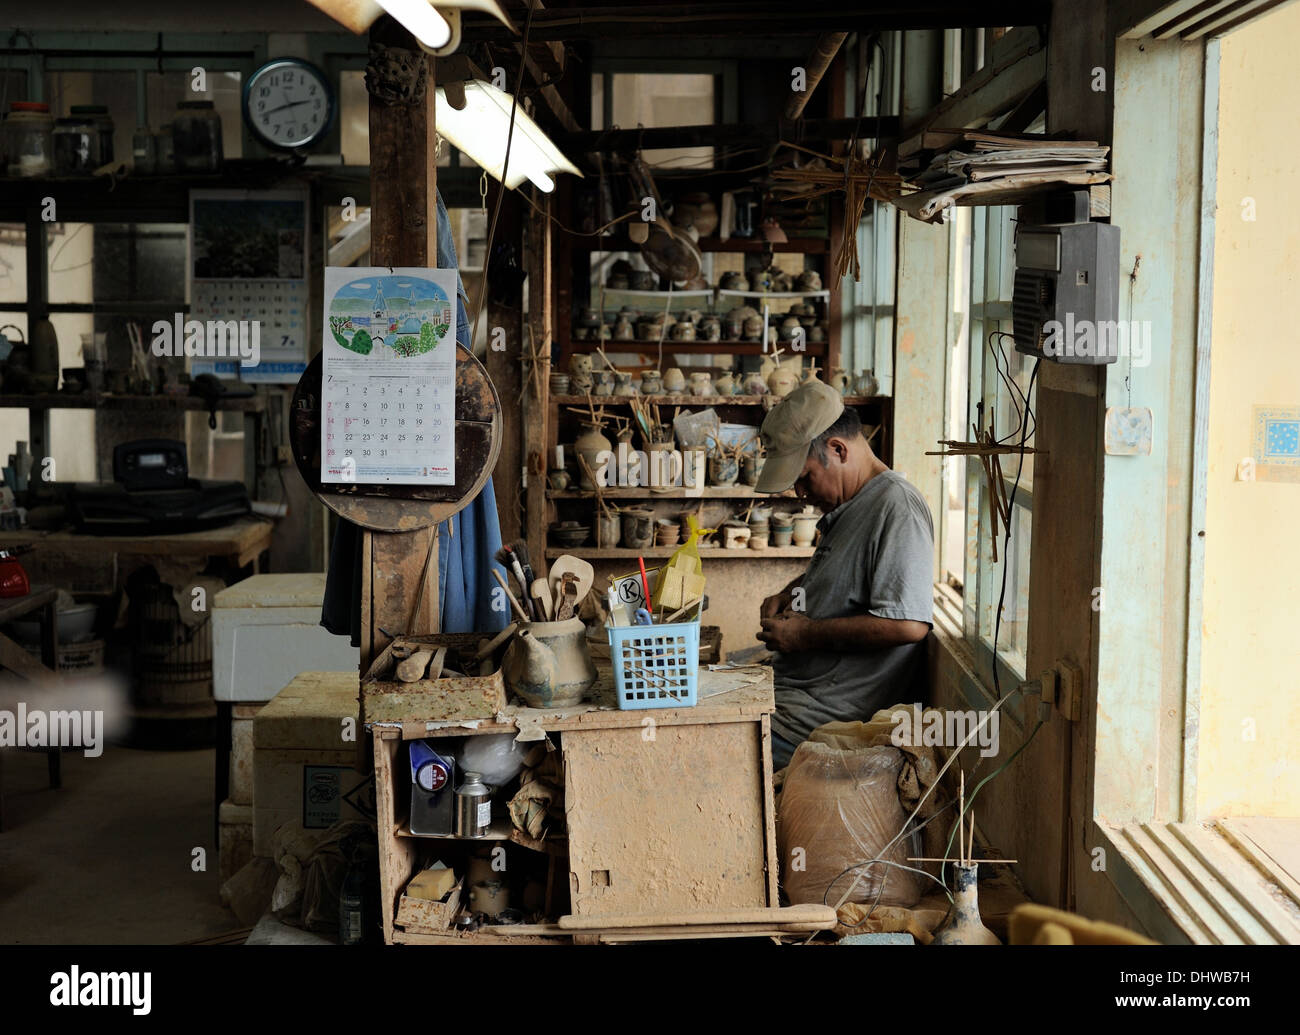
x: 709, y: 492
x: 800, y: 245
x: 703, y: 348
x: 691, y: 400
x: 707, y: 553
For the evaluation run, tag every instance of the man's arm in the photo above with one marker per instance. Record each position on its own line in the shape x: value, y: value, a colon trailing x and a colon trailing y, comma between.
x: 789, y: 631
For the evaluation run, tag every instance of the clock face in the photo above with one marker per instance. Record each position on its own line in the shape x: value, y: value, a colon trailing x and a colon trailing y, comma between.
x: 288, y: 104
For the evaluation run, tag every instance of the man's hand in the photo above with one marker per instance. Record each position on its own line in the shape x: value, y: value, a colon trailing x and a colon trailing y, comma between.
x: 775, y: 604
x: 787, y: 631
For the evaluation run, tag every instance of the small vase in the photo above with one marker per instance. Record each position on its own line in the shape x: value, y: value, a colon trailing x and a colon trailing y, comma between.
x: 965, y: 926
x: 589, y: 445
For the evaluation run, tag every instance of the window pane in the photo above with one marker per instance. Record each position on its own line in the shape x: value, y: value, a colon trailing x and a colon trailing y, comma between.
x: 655, y: 99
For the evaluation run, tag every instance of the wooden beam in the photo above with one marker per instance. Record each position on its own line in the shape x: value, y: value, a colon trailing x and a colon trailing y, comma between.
x: 763, y: 18
x: 989, y: 93
x: 804, y: 130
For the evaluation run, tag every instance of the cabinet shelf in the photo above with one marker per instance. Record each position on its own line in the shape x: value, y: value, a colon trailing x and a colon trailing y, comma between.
x: 710, y: 492
x: 707, y: 553
x: 703, y: 348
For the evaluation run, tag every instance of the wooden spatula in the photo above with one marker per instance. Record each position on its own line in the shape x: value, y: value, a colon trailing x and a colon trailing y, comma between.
x: 568, y: 604
x: 541, y: 592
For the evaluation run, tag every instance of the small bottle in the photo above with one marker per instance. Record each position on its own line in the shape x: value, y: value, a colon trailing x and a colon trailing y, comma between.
x: 473, y: 807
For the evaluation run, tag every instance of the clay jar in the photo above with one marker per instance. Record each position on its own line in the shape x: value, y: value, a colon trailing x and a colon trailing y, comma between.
x: 723, y: 469
x: 580, y: 365
x: 965, y: 927
x: 725, y: 385
x: 638, y: 527
x: 840, y: 380
x: 548, y: 664
x: 683, y: 331
x: 651, y: 383
x: 608, y: 528
x: 701, y: 384
x: 623, y: 385
x: 752, y: 329
x: 867, y: 383
x: 805, y: 526
x: 589, y: 445
x: 674, y: 381
x: 782, y: 381
x: 750, y: 468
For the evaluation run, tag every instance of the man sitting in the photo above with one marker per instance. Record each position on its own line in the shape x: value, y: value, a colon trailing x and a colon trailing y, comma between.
x: 849, y: 633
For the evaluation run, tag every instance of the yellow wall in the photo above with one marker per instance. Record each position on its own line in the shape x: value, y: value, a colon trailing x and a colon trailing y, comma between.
x: 1251, y: 644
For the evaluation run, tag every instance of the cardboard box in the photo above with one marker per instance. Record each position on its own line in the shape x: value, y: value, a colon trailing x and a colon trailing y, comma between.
x: 305, y: 753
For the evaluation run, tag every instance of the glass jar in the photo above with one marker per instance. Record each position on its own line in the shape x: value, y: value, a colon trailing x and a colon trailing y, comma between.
x: 103, y: 122
x: 29, y: 143
x: 76, y: 146
x: 196, y: 136
x: 165, y: 150
x: 144, y: 152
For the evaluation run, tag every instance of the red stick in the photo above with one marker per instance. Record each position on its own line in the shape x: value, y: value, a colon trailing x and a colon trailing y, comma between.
x: 645, y: 583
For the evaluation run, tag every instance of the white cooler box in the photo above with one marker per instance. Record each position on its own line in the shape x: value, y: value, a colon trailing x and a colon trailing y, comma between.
x: 265, y: 630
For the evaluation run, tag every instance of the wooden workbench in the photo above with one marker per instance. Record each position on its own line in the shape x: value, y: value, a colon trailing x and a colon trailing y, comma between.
x: 669, y: 812
x: 83, y: 563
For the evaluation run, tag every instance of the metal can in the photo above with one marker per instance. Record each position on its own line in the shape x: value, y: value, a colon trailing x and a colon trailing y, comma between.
x: 473, y: 807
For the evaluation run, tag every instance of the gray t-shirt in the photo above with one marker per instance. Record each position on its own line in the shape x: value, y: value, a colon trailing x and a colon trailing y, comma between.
x: 876, y: 556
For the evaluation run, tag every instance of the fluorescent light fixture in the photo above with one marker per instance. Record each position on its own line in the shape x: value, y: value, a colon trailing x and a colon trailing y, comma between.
x: 421, y: 20
x: 480, y: 130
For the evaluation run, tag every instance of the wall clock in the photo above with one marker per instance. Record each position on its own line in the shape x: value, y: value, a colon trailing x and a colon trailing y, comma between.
x: 288, y: 104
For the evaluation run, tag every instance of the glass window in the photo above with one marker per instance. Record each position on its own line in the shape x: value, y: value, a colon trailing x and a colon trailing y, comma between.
x: 652, y: 99
x: 988, y: 382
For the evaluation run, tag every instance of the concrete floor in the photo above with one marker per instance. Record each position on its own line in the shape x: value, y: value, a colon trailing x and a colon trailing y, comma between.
x: 108, y: 858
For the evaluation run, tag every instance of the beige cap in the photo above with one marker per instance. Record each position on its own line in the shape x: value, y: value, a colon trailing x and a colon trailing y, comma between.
x: 789, y: 430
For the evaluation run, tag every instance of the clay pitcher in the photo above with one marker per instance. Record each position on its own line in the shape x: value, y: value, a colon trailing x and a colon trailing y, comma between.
x: 548, y: 664
x: 966, y: 927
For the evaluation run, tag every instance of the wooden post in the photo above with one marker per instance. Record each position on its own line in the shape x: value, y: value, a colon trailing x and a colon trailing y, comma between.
x: 403, y: 232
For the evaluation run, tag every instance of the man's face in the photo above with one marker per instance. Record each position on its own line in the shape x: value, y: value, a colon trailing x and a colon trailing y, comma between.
x: 818, y: 483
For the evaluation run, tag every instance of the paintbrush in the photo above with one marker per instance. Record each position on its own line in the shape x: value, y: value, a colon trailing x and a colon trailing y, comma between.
x: 508, y: 559
x: 520, y: 550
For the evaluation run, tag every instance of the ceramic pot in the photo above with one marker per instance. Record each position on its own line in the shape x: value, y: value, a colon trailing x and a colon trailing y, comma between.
x: 816, y: 332
x: 750, y: 468
x: 711, y: 328
x: 683, y: 331
x: 674, y: 381
x: 733, y: 280
x: 559, y: 384
x: 695, y: 463
x: 725, y: 385
x: 698, y: 210
x: 805, y: 527
x: 548, y: 664
x: 757, y: 542
x: 840, y: 380
x: 623, y: 385
x: 701, y: 384
x: 760, y: 280
x: 808, y: 280
x: 723, y: 470
x: 649, y: 330
x: 641, y: 280
x: 752, y: 330
x: 638, y: 527
x: 782, y: 381
x: 623, y: 330
x: 666, y: 533
x: 867, y: 383
x: 559, y: 480
x: 589, y: 317
x: 781, y: 536
x: 604, y: 384
x: 581, y: 384
x: 790, y: 328
x: 965, y: 927
x: 665, y: 465
x: 608, y: 529
x: 755, y: 384
x: 580, y: 365
x: 589, y: 445
x: 651, y: 383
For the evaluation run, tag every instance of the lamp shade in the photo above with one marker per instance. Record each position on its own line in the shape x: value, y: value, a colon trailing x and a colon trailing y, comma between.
x: 359, y: 15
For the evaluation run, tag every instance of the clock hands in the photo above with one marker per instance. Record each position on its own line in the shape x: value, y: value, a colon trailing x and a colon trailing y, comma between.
x: 291, y: 104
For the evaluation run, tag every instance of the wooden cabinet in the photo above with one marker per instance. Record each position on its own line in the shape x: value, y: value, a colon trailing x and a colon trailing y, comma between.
x: 669, y: 813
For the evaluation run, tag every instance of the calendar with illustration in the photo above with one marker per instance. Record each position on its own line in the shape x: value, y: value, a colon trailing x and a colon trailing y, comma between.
x: 388, y: 380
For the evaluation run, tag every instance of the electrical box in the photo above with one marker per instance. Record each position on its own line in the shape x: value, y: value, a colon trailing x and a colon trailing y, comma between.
x: 1066, y: 301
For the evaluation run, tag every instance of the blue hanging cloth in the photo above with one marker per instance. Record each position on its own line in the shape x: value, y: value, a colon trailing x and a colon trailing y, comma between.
x: 467, y: 542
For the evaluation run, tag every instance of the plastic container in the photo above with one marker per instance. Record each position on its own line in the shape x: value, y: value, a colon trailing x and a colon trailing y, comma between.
x: 29, y: 144
x: 196, y: 137
x: 655, y: 666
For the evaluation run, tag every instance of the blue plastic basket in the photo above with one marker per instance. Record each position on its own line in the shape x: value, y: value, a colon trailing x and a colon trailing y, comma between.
x: 655, y: 666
